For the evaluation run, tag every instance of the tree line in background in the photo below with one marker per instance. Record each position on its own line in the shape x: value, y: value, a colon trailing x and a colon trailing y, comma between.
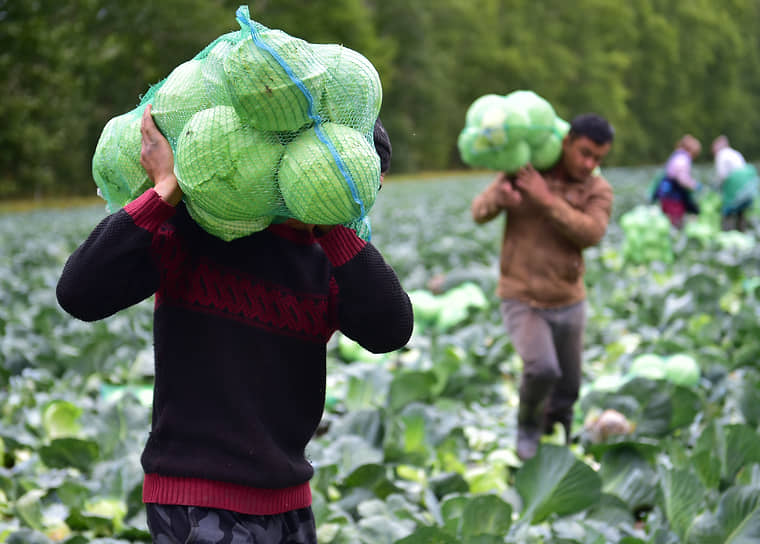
x: 655, y: 68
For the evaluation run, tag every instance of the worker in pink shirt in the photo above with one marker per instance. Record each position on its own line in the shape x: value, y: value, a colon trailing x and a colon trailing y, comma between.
x: 675, y: 190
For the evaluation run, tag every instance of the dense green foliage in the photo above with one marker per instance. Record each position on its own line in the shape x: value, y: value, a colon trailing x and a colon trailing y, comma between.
x: 656, y: 68
x: 417, y: 446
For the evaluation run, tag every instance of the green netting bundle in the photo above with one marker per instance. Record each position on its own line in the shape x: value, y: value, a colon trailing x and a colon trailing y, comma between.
x: 505, y: 132
x: 217, y: 156
x: 262, y: 90
x: 647, y: 235
x: 264, y: 126
x: 352, y: 86
x: 116, y: 164
x: 312, y: 182
x: 183, y: 94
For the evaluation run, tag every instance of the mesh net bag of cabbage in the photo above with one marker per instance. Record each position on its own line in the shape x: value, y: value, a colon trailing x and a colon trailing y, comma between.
x: 505, y: 132
x: 116, y: 168
x: 266, y: 126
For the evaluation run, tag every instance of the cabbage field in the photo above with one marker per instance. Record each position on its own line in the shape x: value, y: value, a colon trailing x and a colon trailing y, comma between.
x: 417, y: 446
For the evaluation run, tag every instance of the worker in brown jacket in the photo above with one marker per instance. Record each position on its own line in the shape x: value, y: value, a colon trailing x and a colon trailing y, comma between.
x: 551, y: 217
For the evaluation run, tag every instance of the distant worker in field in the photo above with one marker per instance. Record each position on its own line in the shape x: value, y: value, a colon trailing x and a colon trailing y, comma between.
x: 738, y: 183
x: 240, y: 335
x: 551, y: 217
x: 675, y: 190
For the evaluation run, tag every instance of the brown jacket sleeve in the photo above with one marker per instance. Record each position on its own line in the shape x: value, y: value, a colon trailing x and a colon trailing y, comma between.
x: 484, y: 206
x: 585, y: 226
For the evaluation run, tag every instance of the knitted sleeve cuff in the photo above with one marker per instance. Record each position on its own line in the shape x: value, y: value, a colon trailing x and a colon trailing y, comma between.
x: 341, y: 244
x: 149, y: 211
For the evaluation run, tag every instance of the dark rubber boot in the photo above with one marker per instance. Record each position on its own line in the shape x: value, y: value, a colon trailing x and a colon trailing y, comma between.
x: 568, y: 426
x: 528, y: 438
x: 530, y: 420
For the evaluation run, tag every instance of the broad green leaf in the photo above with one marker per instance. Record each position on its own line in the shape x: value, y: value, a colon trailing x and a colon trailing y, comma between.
x: 610, y: 510
x: 60, y: 419
x: 749, y: 396
x: 373, y: 507
x: 407, y: 436
x: 673, y: 447
x: 452, y: 512
x: 486, y: 515
x: 410, y: 386
x: 449, y: 453
x: 705, y: 529
x: 319, y: 507
x: 371, y: 476
x: 367, y: 386
x: 367, y: 423
x: 447, y: 365
x: 733, y: 446
x: 109, y: 508
x: 626, y: 474
x: 483, y: 539
x: 73, y: 494
x: 82, y: 521
x: 414, y: 435
x: 26, y: 536
x: 737, y: 520
x: 664, y: 407
x: 748, y: 532
x: 325, y: 475
x: 29, y: 508
x: 555, y: 482
x: 683, y: 496
x: 747, y: 354
x: 383, y: 529
x: 585, y: 531
x: 677, y: 305
x: 741, y: 448
x: 739, y: 514
x: 428, y: 535
x: 70, y: 452
x: 487, y: 478
x: 706, y: 457
x: 349, y: 453
x: 647, y: 447
x: 79, y: 539
x: 749, y: 475
x: 446, y: 483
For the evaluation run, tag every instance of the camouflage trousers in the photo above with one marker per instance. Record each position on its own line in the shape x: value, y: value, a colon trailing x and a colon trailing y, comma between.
x: 174, y: 524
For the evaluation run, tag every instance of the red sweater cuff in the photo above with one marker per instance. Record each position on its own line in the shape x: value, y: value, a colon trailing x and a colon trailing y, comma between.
x: 227, y: 496
x: 149, y: 211
x: 341, y: 245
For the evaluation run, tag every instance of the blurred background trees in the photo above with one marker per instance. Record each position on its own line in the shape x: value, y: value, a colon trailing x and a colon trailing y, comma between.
x: 655, y: 68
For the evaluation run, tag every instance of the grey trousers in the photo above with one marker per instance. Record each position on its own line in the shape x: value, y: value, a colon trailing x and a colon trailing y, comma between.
x: 550, y: 344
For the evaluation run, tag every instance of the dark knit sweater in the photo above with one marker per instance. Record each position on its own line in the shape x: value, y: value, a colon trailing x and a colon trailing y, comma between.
x: 240, y: 333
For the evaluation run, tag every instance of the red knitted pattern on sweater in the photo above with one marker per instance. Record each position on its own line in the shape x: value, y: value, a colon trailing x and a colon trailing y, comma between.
x: 233, y: 294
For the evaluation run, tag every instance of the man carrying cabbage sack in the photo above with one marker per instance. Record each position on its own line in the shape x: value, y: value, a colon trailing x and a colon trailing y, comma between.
x: 240, y: 334
x: 551, y: 217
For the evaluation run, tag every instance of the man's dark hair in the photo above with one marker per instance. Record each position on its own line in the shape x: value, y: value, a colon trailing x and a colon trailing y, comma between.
x: 594, y: 127
x: 382, y: 145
